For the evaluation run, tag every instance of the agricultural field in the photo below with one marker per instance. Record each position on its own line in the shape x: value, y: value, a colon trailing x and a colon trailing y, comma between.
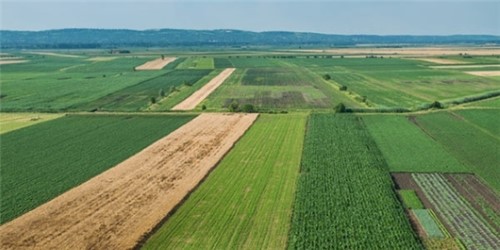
x: 67, y: 151
x: 116, y: 208
x: 14, y: 121
x: 291, y: 88
x: 138, y: 97
x: 250, y: 148
x: 407, y: 148
x: 256, y: 180
x: 345, y: 197
x: 477, y: 149
x: 469, y: 226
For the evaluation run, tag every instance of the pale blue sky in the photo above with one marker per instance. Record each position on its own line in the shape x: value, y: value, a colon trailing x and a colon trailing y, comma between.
x: 413, y: 17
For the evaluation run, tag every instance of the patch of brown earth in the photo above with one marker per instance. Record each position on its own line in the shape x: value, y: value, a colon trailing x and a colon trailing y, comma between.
x: 4, y: 62
x: 484, y: 73
x: 156, y: 64
x: 441, y: 60
x: 115, y: 209
x: 465, y: 66
x: 197, y: 97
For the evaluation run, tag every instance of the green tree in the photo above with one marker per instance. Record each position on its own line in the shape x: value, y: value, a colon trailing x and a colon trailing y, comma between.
x: 153, y: 100
x: 162, y: 93
x: 340, y: 108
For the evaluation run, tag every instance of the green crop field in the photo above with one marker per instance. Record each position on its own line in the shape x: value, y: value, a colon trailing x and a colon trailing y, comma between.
x: 410, y: 199
x: 42, y: 161
x: 246, y: 202
x: 138, y: 97
x: 428, y: 223
x: 339, y: 129
x: 277, y: 88
x: 345, y: 196
x: 54, y: 83
x: 474, y: 147
x: 407, y: 148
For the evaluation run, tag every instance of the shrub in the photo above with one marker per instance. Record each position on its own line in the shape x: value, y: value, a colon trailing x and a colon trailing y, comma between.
x: 248, y: 108
x: 340, y: 108
x: 327, y: 77
x: 234, y: 107
x: 153, y: 100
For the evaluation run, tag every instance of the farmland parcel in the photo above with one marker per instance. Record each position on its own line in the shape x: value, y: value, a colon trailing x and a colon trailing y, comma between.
x: 42, y: 161
x: 116, y: 208
x: 246, y: 202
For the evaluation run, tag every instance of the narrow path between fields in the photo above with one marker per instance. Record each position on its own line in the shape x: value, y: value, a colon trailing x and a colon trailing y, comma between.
x: 115, y: 209
x: 156, y: 64
x: 192, y: 101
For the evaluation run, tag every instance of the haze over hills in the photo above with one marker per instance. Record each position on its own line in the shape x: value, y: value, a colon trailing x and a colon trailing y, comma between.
x: 106, y: 38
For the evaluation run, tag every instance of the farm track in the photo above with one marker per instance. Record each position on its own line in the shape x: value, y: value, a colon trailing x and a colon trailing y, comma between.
x: 115, y: 209
x: 192, y: 101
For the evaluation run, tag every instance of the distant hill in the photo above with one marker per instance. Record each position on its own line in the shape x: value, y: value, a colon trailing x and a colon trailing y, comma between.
x: 106, y: 38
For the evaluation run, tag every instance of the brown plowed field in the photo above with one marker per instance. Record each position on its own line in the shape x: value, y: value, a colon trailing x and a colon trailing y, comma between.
x: 156, y: 64
x: 192, y: 101
x: 484, y: 73
x: 115, y: 209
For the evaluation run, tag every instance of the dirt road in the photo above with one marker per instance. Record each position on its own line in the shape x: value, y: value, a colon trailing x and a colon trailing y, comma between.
x: 115, y: 209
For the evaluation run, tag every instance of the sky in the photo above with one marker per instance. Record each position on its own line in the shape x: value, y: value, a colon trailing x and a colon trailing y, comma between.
x: 378, y: 17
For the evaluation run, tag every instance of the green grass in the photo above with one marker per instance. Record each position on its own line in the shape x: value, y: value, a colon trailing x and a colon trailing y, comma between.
x: 276, y: 77
x: 197, y: 63
x: 410, y: 199
x: 43, y: 161
x: 474, y: 147
x: 222, y: 63
x: 246, y: 202
x: 13, y: 121
x: 138, y: 97
x: 427, y: 222
x: 345, y: 196
x: 407, y: 148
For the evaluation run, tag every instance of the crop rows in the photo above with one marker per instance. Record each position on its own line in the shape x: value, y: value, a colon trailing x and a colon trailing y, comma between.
x: 40, y: 162
x: 345, y: 197
x: 245, y: 203
x: 463, y: 221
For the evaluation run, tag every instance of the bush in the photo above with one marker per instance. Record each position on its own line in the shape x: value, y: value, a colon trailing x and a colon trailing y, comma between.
x: 343, y: 88
x: 436, y: 105
x: 153, y: 100
x: 161, y: 93
x: 248, y: 108
x: 234, y: 107
x: 327, y: 77
x: 340, y: 108
x: 203, y: 107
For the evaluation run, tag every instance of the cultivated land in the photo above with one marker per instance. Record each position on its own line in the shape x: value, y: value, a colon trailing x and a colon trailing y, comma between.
x: 246, y: 202
x: 156, y: 64
x: 345, y: 197
x: 43, y: 161
x: 116, y: 208
x: 13, y: 121
x: 79, y: 182
x: 197, y: 97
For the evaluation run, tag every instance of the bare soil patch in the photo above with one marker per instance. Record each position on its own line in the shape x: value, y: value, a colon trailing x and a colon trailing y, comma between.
x: 484, y: 73
x: 465, y: 66
x: 3, y: 62
x: 101, y: 59
x: 156, y: 64
x: 192, y: 101
x: 441, y: 60
x: 54, y: 54
x: 115, y: 209
x: 410, y: 51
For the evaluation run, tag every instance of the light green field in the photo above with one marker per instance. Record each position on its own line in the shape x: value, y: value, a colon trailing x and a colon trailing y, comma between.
x: 410, y: 199
x: 197, y: 63
x: 13, y: 121
x: 246, y: 202
x: 407, y: 148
